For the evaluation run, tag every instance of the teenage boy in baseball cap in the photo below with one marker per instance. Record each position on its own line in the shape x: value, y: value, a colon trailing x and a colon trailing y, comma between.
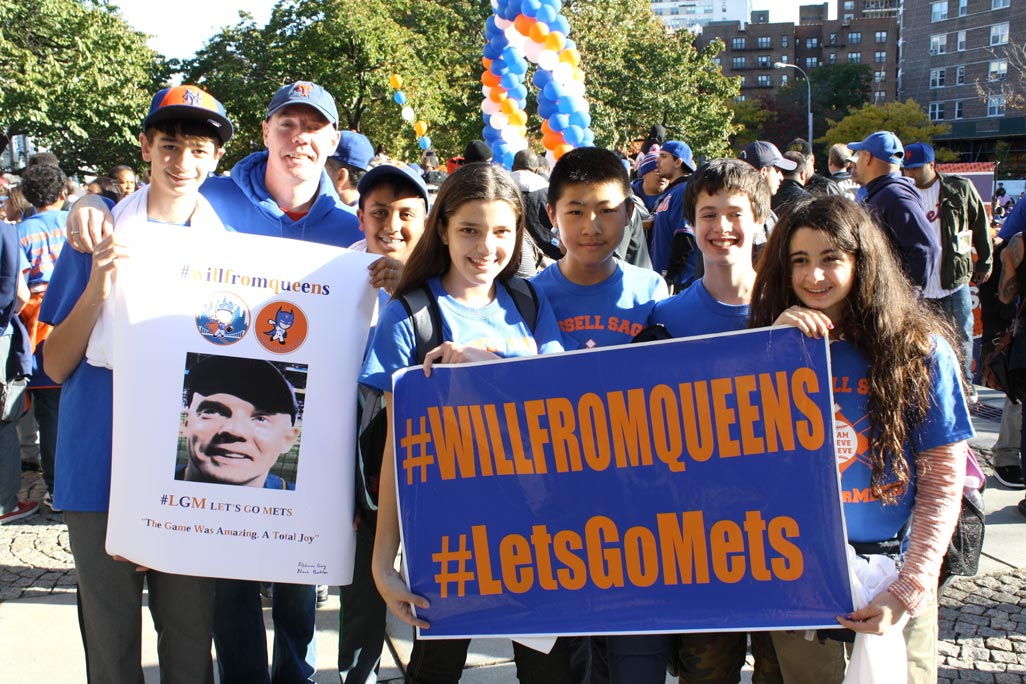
x: 768, y: 161
x: 347, y: 166
x: 672, y: 242
x: 182, y: 140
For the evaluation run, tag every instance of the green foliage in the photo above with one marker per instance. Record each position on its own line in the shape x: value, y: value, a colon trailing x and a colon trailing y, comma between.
x: 907, y: 120
x: 638, y: 73
x: 753, y: 118
x: 77, y: 79
x: 836, y: 89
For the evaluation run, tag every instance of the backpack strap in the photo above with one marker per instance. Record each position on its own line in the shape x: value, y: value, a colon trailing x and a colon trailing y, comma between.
x: 423, y: 311
x: 525, y: 299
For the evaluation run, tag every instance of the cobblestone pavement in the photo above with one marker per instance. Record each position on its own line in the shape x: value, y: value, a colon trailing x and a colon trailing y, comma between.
x: 982, y: 619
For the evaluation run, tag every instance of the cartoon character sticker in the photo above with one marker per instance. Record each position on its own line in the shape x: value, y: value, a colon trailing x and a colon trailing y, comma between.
x: 283, y: 327
x: 224, y: 319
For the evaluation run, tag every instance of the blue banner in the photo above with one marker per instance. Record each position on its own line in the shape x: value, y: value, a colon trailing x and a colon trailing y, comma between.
x: 686, y: 485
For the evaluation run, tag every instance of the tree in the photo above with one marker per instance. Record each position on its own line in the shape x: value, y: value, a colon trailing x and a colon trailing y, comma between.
x: 836, y: 90
x: 78, y: 80
x: 907, y: 120
x: 753, y: 119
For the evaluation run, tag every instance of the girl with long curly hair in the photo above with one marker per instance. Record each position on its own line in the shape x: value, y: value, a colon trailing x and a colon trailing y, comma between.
x: 829, y: 270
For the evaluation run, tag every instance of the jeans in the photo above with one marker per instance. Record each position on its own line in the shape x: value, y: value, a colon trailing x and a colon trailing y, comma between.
x: 1006, y: 449
x: 638, y: 658
x: 240, y: 640
x: 958, y: 308
x: 441, y: 661
x: 361, y: 618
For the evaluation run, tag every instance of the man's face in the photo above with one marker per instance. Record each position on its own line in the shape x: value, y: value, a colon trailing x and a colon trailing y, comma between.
x: 299, y: 140
x: 126, y: 181
x: 392, y: 221
x: 667, y: 165
x: 774, y: 177
x: 179, y: 164
x: 860, y: 169
x: 922, y: 176
x: 231, y: 441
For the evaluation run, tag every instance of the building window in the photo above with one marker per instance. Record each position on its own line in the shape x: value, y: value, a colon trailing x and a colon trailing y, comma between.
x: 737, y: 43
x: 960, y: 42
x: 811, y: 62
x: 963, y: 7
x: 937, y: 77
x: 849, y: 17
x: 960, y: 74
x: 832, y: 39
x: 812, y: 42
x: 832, y: 58
x: 998, y: 70
x: 938, y: 44
x: 936, y: 111
x: 880, y: 37
x: 716, y: 61
x: 849, y: 4
x: 737, y: 63
x: 999, y: 4
x: 739, y: 98
x: 879, y: 96
x: 996, y: 105
x: 744, y: 81
x: 999, y: 34
x: 879, y: 76
x: 880, y: 56
x: 763, y: 80
x: 854, y: 58
x: 783, y: 58
x: 855, y: 37
x: 939, y: 10
x: 783, y: 79
x: 784, y: 41
x: 958, y: 109
x: 764, y: 62
x: 765, y: 42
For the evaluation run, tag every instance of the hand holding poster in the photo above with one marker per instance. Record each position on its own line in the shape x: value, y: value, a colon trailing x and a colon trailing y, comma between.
x: 235, y: 362
x: 687, y: 485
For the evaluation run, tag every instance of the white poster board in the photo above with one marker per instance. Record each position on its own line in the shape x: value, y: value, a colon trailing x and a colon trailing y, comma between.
x: 236, y: 359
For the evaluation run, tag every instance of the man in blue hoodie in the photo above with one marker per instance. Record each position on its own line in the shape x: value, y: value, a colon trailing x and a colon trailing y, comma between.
x: 282, y: 191
x: 894, y: 201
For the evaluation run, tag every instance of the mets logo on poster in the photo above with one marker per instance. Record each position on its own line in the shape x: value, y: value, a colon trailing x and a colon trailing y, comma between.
x: 224, y: 319
x: 282, y: 326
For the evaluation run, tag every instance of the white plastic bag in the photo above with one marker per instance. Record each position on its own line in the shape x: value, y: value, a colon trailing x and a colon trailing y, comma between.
x: 875, y: 659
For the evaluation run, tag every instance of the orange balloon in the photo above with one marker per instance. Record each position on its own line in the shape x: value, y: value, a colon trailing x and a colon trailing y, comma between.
x: 538, y: 32
x: 555, y: 41
x: 570, y: 56
x: 524, y: 23
x: 491, y: 80
x: 560, y: 150
x: 486, y: 63
x: 508, y: 106
x: 498, y: 94
x: 545, y: 127
x: 552, y: 140
x: 420, y: 128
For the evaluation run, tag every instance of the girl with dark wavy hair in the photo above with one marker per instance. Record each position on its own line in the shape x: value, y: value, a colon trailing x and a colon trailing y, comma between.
x: 469, y: 250
x: 829, y: 270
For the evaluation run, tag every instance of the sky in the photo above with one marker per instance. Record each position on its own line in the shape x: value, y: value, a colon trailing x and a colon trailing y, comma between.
x: 184, y: 31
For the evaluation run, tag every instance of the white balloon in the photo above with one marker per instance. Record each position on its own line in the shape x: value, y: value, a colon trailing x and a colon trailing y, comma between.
x: 517, y: 145
x: 550, y: 159
x: 548, y: 60
x: 500, y: 22
x: 490, y: 107
x: 485, y: 90
x: 510, y: 134
x: 515, y: 37
x: 574, y: 88
x: 499, y: 121
x: 563, y: 73
x: 532, y: 49
x: 408, y: 113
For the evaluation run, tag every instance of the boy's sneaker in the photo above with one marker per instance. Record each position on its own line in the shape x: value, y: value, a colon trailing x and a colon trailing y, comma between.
x: 23, y: 510
x: 48, y: 500
x: 1010, y: 476
x: 322, y: 593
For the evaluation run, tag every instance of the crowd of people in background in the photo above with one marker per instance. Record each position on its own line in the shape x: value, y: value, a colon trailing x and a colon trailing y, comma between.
x: 872, y: 247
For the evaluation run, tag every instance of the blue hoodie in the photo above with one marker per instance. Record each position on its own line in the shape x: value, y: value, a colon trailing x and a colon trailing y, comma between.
x: 243, y: 204
x: 893, y: 199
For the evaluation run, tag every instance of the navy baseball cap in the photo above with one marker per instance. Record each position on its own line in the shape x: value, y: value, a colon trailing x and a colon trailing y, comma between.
x: 254, y: 380
x: 883, y: 145
x: 382, y: 171
x: 917, y: 155
x: 761, y: 154
x: 354, y: 149
x: 305, y: 93
x: 680, y: 150
x: 189, y: 102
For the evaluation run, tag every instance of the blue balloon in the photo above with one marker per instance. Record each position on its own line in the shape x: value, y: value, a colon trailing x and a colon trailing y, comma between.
x: 589, y: 138
x: 500, y: 148
x: 490, y: 51
x: 486, y: 118
x: 530, y: 7
x: 546, y: 14
x: 424, y: 142
x: 517, y: 66
x: 491, y: 28
x: 565, y: 105
x: 573, y: 135
x: 558, y: 122
x: 499, y: 66
x: 514, y: 8
x: 546, y: 109
x: 509, y: 80
x: 511, y: 54
x: 541, y: 78
x: 507, y: 160
x: 561, y: 24
x: 518, y: 92
x: 490, y: 135
x: 554, y: 91
x: 569, y: 44
x: 399, y: 97
x: 580, y: 118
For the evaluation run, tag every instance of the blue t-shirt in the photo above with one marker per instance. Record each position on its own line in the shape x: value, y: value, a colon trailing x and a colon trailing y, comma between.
x: 604, y: 314
x: 42, y: 236
x: 947, y: 421
x: 649, y: 201
x: 496, y: 327
x: 668, y: 220
x: 695, y: 312
x: 84, y: 429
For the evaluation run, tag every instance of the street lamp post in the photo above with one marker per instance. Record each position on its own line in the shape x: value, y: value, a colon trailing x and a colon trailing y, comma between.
x: 808, y: 85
